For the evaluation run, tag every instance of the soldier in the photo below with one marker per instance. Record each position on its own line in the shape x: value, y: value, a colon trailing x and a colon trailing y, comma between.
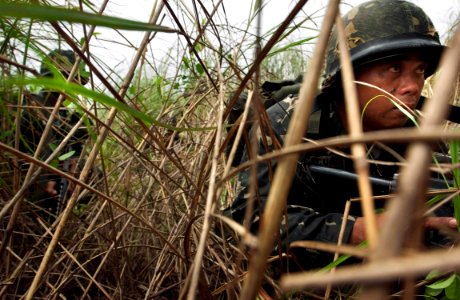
x: 49, y: 191
x: 393, y: 46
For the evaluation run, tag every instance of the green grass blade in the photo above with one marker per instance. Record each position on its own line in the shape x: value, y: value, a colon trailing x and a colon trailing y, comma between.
x: 76, y: 89
x: 291, y: 45
x: 50, y: 13
x: 454, y: 150
x: 396, y: 104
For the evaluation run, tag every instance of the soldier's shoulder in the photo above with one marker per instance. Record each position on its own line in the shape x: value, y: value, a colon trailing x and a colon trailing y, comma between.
x: 280, y: 113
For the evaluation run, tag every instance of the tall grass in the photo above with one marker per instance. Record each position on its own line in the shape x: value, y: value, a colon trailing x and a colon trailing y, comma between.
x: 154, y: 161
x: 139, y: 240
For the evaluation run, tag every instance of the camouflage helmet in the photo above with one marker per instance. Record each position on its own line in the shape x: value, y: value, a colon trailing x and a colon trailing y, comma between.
x: 381, y: 29
x: 64, y: 61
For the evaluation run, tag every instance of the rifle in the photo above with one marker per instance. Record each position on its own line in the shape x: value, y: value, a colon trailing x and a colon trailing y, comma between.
x: 385, y: 185
x: 62, y: 186
x: 432, y: 237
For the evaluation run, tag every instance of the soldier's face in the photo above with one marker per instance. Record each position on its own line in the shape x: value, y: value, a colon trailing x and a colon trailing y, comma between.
x: 403, y: 77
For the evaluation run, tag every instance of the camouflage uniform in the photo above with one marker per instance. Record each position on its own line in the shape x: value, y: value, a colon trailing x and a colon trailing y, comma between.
x: 316, y: 201
x: 34, y: 117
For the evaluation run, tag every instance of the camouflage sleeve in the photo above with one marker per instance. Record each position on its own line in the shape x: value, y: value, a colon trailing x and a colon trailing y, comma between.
x: 300, y: 222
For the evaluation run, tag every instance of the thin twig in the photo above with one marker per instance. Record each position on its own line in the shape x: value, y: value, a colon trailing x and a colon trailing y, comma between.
x: 271, y: 219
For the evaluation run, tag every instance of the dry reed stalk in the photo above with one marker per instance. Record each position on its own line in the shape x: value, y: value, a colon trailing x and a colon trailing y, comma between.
x: 189, y: 42
x: 271, y: 219
x: 355, y: 130
x: 435, y: 112
x: 346, y: 213
x: 239, y: 133
x: 17, y: 257
x: 111, y: 248
x: 81, y: 183
x: 398, y: 136
x: 339, y: 249
x: 377, y: 272
x: 137, y: 208
x: 210, y: 200
x: 46, y: 166
x: 47, y: 130
x: 411, y: 188
x: 263, y: 53
x: 86, y: 169
x: 81, y: 267
x: 17, y: 198
x: 153, y: 198
x: 410, y: 199
x: 22, y: 265
x: 33, y: 173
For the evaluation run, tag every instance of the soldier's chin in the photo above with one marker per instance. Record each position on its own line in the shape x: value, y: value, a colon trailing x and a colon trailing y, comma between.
x: 390, y: 124
x: 398, y: 123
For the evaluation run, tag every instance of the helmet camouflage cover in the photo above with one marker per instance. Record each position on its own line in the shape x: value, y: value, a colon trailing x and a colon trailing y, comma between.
x: 384, y: 28
x: 63, y: 60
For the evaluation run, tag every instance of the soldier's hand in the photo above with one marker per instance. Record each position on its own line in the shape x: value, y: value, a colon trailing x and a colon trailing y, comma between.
x: 358, y: 234
x: 51, y: 188
x: 440, y: 223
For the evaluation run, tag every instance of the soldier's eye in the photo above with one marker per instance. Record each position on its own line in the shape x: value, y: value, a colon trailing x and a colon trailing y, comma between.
x: 395, y: 68
x: 421, y: 69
